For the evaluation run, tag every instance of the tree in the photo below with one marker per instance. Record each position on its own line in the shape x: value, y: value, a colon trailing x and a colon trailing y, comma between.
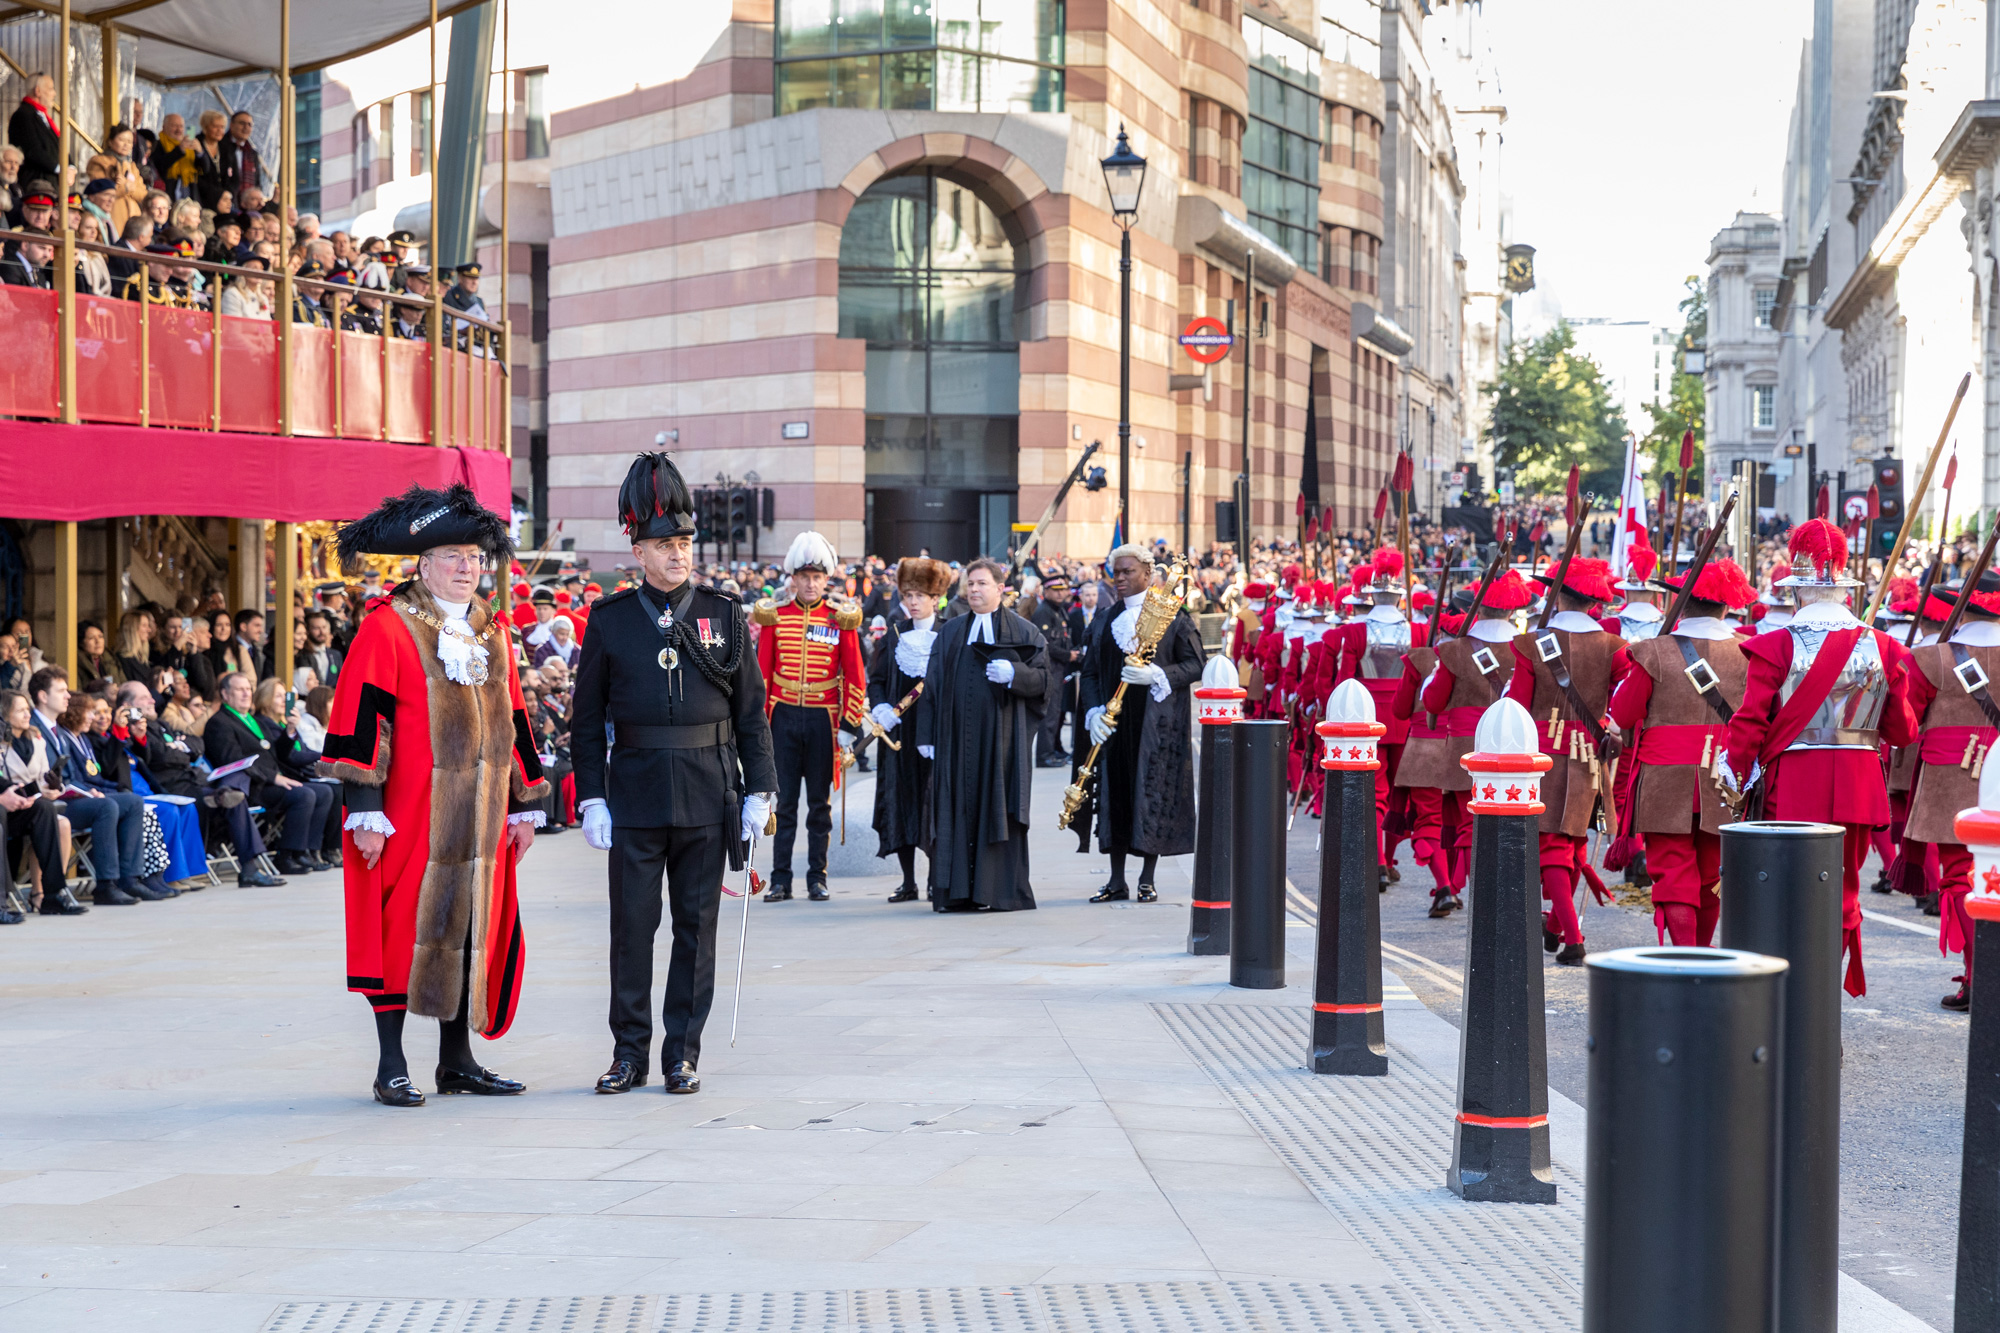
x: 1552, y: 408
x: 1686, y: 405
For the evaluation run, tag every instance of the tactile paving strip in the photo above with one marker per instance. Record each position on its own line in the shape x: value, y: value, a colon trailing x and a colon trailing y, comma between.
x: 1132, y: 1307
x: 1375, y: 1151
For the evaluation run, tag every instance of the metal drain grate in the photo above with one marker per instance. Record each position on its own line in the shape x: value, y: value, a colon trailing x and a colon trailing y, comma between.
x: 1374, y: 1150
x: 1132, y: 1307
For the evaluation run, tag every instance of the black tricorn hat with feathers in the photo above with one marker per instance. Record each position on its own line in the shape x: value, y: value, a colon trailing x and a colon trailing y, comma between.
x: 655, y: 500
x: 421, y: 518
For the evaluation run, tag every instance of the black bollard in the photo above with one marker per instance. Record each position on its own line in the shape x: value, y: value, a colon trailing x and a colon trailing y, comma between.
x: 1976, y: 1308
x: 1781, y: 897
x: 1257, y: 855
x: 1347, y: 981
x: 1500, y: 1140
x: 1680, y: 1221
x: 1219, y: 705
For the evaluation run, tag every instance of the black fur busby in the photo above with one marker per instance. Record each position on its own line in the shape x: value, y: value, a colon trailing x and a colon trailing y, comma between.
x: 655, y: 501
x: 421, y: 518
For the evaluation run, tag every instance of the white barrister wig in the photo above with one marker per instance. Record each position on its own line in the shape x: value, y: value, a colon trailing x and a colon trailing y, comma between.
x: 810, y: 551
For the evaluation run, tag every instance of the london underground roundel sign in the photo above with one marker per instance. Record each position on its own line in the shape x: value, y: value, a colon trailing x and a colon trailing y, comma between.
x: 1206, y: 340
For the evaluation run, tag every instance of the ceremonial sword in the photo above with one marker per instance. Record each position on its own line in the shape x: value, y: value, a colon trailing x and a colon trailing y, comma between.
x: 752, y: 886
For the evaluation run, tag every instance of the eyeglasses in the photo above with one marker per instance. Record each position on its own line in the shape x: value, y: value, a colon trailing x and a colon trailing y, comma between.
x: 454, y: 560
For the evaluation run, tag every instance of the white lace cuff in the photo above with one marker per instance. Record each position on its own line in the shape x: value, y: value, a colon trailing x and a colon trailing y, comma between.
x: 1161, y: 689
x: 373, y: 821
x: 536, y: 817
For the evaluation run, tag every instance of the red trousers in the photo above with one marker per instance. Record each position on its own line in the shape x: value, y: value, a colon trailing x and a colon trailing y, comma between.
x: 1955, y: 882
x: 1562, y: 862
x: 1854, y: 850
x: 1686, y: 869
x: 1438, y: 820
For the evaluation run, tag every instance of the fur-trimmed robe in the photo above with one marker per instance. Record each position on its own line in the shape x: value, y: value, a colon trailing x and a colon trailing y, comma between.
x: 445, y: 763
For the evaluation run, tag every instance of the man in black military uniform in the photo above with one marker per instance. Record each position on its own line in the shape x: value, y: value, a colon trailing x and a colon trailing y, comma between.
x: 673, y: 668
x: 1051, y: 617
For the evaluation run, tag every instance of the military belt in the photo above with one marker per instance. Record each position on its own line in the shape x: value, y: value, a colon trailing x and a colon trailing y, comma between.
x: 1844, y: 738
x: 692, y: 736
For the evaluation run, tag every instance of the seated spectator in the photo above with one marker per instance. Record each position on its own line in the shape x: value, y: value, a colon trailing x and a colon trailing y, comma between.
x: 10, y: 180
x: 37, y: 208
x: 93, y: 276
x: 222, y: 242
x: 24, y: 643
x: 30, y: 264
x: 319, y: 650
x: 154, y: 282
x: 128, y: 737
x: 242, y: 731
x: 412, y: 321
x: 561, y: 644
x: 135, y: 646
x: 160, y: 209
x: 115, y: 765
x: 247, y: 294
x: 94, y: 662
x: 175, y: 163
x: 249, y: 203
x: 136, y: 235
x: 115, y: 820
x: 130, y: 195
x: 188, y: 220
x: 14, y: 671
x: 28, y: 785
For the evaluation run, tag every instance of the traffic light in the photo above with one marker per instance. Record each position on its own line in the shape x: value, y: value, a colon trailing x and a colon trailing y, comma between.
x: 740, y: 517
x: 704, y: 515
x: 1093, y: 479
x: 1889, y: 487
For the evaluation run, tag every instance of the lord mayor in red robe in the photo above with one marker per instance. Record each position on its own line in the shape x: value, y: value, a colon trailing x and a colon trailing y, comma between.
x: 442, y: 789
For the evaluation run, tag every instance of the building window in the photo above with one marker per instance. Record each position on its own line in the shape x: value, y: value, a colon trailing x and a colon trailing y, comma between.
x: 305, y: 129
x: 388, y: 110
x: 420, y: 132
x: 902, y: 55
x: 1281, y: 141
x: 1352, y: 31
x: 1763, y: 406
x: 363, y: 168
x: 535, y: 101
x: 1766, y: 299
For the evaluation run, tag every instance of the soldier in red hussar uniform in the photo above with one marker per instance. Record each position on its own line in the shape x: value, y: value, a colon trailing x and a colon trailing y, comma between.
x: 1563, y: 677
x: 1679, y: 691
x: 1822, y: 696
x: 1951, y: 694
x: 1473, y: 670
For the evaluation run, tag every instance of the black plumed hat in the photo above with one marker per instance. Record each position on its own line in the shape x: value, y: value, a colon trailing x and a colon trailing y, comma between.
x: 421, y: 518
x: 655, y: 500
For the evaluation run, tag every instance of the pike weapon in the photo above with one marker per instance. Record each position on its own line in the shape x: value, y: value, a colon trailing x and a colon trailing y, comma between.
x: 1923, y: 484
x: 1494, y: 569
x: 1972, y: 577
x: 1937, y: 564
x: 1703, y: 550
x: 1583, y: 503
x: 1156, y: 616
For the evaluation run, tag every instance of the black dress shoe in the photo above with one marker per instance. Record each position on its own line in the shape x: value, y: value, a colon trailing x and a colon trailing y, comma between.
x: 1881, y: 884
x: 623, y: 1076
x: 906, y: 894
x: 110, y: 895
x: 778, y: 893
x: 1570, y: 955
x: 158, y: 884
x: 1111, y: 893
x: 64, y: 903
x: 815, y: 891
x: 1457, y: 903
x: 314, y: 861
x: 480, y: 1082
x: 1147, y: 894
x: 291, y: 863
x: 1930, y: 902
x: 257, y: 879
x: 1054, y: 761
x: 141, y: 890
x: 1960, y: 1002
x: 399, y: 1091
x: 1550, y: 940
x: 1441, y: 907
x: 331, y: 860
x: 682, y: 1078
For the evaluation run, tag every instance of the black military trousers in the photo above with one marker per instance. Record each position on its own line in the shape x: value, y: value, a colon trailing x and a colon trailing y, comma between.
x: 692, y: 861
x: 1055, y: 703
x: 802, y: 749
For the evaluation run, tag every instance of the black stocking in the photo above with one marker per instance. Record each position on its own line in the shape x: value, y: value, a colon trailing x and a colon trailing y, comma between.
x: 1146, y: 874
x: 1118, y: 869
x: 389, y: 1033
x: 907, y: 858
x: 455, y: 1033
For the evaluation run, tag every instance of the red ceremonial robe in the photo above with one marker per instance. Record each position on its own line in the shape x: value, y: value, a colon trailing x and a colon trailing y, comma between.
x: 439, y: 905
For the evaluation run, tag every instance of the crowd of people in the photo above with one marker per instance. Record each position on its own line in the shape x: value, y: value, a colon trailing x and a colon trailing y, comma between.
x: 162, y: 198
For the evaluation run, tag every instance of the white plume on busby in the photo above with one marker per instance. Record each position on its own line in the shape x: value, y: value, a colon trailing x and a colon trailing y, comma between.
x: 810, y: 550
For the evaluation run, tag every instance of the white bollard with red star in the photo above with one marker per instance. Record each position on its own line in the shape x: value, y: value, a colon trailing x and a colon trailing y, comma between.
x: 1347, y: 1036
x: 1218, y: 705
x: 1977, y: 1304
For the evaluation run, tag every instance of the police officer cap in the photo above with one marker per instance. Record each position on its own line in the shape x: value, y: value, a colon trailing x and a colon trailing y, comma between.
x: 543, y: 597
x: 654, y: 500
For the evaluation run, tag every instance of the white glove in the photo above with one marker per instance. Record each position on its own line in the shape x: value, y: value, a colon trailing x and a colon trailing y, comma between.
x: 756, y: 810
x: 886, y: 717
x: 1094, y: 723
x: 1154, y: 678
x: 927, y: 751
x: 1000, y: 671
x: 597, y: 824
x: 845, y: 738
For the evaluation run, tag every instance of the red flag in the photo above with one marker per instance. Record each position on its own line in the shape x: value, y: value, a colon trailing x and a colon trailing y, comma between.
x: 1824, y: 505
x: 1874, y: 502
x: 1687, y: 451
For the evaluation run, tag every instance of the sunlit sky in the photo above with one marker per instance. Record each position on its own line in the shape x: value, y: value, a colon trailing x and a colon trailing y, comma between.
x: 1635, y: 132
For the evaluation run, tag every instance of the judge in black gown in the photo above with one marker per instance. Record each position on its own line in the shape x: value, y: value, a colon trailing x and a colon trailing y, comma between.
x: 1145, y: 777
x: 896, y: 670
x: 985, y: 682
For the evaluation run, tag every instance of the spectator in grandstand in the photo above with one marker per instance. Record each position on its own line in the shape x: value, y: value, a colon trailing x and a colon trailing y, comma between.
x: 128, y: 181
x: 32, y: 129
x: 10, y: 178
x: 93, y: 274
x: 28, y: 265
x: 241, y: 167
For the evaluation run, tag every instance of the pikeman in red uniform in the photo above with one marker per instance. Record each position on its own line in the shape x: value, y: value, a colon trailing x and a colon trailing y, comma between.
x: 1679, y: 691
x: 1245, y: 630
x: 1473, y: 671
x: 436, y: 822
x: 1822, y: 696
x: 1951, y: 694
x: 1914, y: 867
x: 1371, y: 649
x: 1563, y: 677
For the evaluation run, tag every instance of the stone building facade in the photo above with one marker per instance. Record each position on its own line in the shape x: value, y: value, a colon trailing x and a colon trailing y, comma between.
x: 1740, y: 378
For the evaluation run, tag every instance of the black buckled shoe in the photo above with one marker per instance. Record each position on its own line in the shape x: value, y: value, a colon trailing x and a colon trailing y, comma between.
x: 1147, y: 894
x: 906, y: 894
x: 1441, y: 906
x: 64, y: 903
x: 1111, y: 893
x: 1570, y: 955
x: 623, y: 1076
x: 399, y: 1091
x: 1960, y: 1002
x: 682, y: 1078
x: 816, y: 890
x: 477, y: 1081
x: 778, y: 893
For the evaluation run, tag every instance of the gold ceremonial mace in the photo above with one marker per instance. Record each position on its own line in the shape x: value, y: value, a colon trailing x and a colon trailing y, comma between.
x: 1156, y: 614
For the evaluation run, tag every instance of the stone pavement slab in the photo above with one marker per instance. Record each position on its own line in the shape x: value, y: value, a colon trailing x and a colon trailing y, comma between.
x: 1052, y: 1120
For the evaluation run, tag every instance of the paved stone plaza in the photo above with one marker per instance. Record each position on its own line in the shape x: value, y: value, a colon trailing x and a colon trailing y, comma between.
x: 1044, y: 1121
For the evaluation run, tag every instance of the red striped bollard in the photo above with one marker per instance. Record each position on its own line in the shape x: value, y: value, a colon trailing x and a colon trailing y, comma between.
x: 1218, y: 704
x: 1347, y: 980
x: 1977, y: 1305
x: 1500, y: 1141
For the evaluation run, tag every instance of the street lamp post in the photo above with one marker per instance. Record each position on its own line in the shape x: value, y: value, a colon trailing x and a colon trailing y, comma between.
x: 1124, y: 176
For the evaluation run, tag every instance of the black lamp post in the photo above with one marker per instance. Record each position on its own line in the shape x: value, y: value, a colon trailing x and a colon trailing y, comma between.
x: 1124, y: 176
